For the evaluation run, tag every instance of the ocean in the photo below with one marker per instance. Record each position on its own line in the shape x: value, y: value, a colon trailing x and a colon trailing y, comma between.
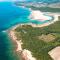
x: 10, y: 15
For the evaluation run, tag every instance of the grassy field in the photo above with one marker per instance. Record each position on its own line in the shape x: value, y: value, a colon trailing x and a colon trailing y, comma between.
x: 39, y: 48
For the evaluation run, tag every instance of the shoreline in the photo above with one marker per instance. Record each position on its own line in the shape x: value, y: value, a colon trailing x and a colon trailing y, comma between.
x: 26, y: 54
x: 46, y: 24
x: 11, y: 34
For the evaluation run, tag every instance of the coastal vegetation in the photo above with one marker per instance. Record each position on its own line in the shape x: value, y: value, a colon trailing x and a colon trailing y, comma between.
x: 44, y: 9
x: 39, y: 46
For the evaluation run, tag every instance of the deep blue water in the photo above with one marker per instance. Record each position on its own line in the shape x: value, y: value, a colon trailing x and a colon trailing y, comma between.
x: 9, y: 16
x: 7, y: 48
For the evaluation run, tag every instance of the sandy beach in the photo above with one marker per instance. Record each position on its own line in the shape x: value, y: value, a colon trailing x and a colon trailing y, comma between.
x: 46, y: 24
x: 14, y: 38
x: 25, y: 54
x: 39, y: 16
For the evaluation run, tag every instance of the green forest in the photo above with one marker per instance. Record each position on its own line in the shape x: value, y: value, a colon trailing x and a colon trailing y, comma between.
x: 32, y: 40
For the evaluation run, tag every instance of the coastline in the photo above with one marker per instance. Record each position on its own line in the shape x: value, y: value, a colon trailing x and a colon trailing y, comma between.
x: 46, y: 24
x: 26, y: 54
x: 43, y: 13
x: 11, y: 34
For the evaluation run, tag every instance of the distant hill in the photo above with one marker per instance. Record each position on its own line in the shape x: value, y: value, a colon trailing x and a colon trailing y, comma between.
x: 44, y: 1
x: 48, y: 1
x: 45, y: 7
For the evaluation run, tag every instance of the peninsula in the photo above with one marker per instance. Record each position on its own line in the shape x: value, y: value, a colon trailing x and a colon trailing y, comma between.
x: 34, y: 41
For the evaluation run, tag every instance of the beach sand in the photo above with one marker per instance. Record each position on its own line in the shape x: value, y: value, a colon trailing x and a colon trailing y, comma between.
x: 46, y: 24
x: 25, y: 54
x: 14, y: 38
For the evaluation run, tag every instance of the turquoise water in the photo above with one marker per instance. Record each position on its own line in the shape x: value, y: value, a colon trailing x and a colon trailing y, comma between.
x: 7, y: 48
x: 11, y: 15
